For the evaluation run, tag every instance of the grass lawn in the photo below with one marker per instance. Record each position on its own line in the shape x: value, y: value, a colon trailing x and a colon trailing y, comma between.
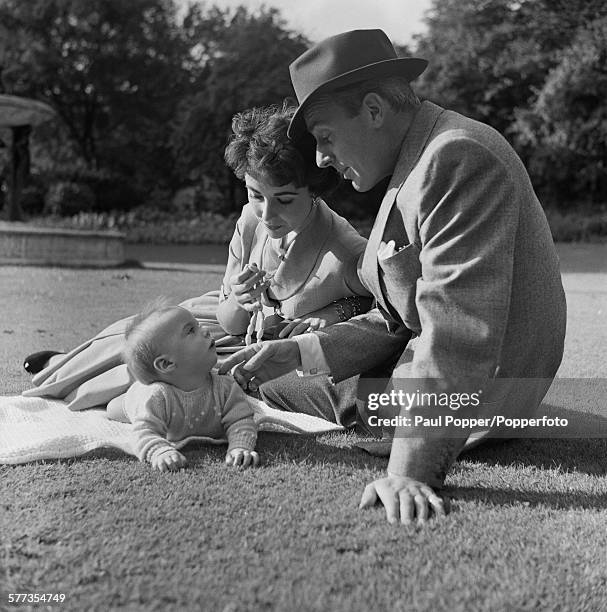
x: 527, y: 528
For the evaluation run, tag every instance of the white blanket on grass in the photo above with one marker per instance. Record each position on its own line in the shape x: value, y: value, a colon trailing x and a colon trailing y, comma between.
x: 34, y: 428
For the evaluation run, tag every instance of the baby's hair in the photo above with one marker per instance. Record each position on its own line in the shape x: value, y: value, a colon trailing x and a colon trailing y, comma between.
x: 141, y: 348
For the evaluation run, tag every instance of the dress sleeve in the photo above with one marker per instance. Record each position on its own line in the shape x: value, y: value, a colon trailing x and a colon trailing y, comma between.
x: 352, y: 276
x: 237, y: 417
x: 150, y: 417
x: 354, y: 246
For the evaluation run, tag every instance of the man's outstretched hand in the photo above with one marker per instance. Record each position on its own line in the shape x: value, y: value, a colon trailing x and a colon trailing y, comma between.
x: 260, y: 363
x: 404, y: 499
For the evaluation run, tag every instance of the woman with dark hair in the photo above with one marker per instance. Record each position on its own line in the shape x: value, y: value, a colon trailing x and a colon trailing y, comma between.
x: 283, y: 233
x: 291, y: 258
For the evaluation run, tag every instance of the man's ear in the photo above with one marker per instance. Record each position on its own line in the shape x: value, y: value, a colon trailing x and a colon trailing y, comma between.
x: 374, y: 107
x: 164, y: 364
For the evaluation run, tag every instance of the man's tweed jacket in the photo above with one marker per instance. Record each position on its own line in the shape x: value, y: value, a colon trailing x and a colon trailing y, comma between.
x: 476, y: 276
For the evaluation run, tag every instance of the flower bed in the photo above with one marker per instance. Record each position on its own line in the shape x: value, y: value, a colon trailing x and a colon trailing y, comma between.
x: 151, y: 226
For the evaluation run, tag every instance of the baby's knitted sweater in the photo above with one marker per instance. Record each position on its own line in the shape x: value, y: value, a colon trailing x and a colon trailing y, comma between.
x: 162, y: 414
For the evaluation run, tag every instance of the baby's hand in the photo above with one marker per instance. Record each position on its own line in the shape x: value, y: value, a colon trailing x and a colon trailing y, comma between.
x: 169, y: 461
x: 241, y: 457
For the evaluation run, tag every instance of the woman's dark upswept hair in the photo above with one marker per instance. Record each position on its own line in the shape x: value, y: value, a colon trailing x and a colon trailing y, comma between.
x: 259, y: 147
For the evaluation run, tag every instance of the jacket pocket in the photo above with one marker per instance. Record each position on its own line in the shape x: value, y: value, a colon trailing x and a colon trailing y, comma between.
x: 399, y: 275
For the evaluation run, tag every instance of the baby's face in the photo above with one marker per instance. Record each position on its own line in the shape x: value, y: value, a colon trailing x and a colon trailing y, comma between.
x: 190, y: 346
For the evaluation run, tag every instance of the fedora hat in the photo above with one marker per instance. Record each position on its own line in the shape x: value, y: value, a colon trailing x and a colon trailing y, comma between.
x: 340, y: 60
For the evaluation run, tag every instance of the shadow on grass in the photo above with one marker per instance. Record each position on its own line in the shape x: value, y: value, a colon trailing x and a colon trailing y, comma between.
x: 581, y: 447
x: 274, y: 448
x: 583, y: 450
x: 585, y: 455
x: 133, y: 264
x: 129, y: 264
x: 326, y: 449
x: 557, y: 500
x: 108, y: 454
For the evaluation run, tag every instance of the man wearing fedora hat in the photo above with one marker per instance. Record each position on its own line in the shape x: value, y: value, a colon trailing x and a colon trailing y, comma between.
x: 460, y: 260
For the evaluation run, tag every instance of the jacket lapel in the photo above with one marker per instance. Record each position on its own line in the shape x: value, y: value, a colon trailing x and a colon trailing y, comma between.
x: 412, y: 146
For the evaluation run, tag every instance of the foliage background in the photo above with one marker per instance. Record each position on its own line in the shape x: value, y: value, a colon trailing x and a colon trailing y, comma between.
x: 145, y: 95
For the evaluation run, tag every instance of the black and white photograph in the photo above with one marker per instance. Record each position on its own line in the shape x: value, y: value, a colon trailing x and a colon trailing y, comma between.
x: 303, y: 305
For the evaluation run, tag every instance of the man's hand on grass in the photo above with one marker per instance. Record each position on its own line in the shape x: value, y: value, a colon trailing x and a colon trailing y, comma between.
x: 404, y: 499
x: 242, y: 457
x: 168, y: 461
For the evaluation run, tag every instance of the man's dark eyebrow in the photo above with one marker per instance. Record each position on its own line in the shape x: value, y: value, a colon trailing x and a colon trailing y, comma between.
x: 312, y: 125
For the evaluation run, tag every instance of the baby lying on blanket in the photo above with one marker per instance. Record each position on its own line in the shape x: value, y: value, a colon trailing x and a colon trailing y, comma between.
x: 176, y: 394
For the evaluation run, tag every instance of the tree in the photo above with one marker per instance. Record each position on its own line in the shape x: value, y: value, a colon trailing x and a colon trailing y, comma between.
x: 242, y: 62
x: 522, y: 67
x: 565, y: 131
x: 111, y: 69
x: 490, y: 57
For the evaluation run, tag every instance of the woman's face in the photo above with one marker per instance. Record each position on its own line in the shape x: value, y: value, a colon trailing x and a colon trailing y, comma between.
x: 281, y: 209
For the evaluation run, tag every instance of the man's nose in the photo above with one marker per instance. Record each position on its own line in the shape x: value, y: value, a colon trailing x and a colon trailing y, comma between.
x: 322, y: 159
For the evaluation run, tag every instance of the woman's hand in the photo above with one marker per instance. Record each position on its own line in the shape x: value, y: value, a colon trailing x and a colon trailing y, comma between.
x: 247, y: 286
x: 302, y: 326
x: 313, y: 321
x: 336, y: 312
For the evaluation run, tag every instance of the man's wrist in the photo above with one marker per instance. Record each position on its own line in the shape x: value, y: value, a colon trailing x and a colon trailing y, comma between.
x: 311, y: 357
x: 401, y: 476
